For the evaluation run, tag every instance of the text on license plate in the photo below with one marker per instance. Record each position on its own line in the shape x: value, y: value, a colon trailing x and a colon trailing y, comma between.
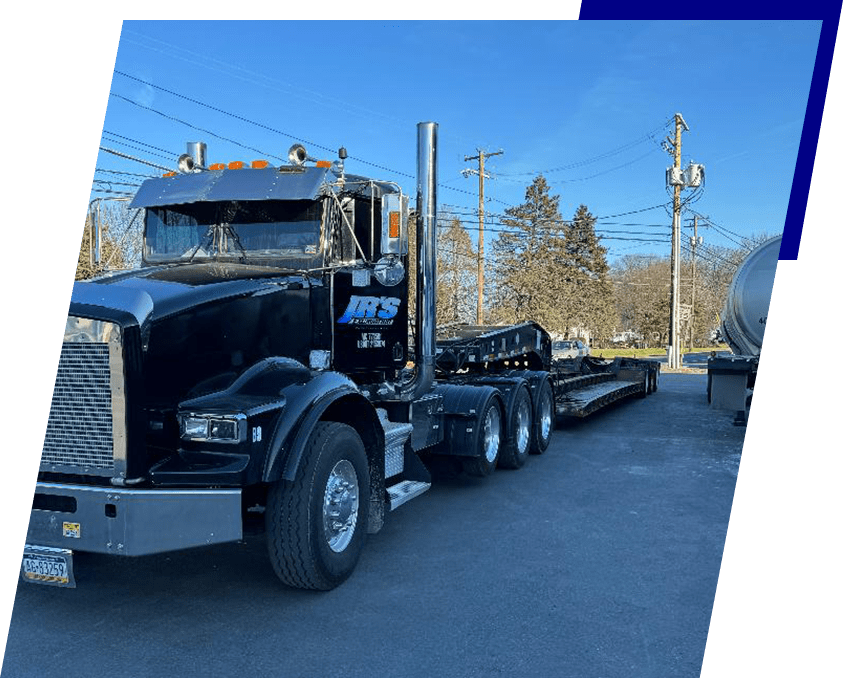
x: 45, y: 568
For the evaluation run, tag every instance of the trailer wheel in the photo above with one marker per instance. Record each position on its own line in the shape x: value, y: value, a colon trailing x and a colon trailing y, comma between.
x: 316, y: 525
x: 488, y: 441
x: 519, y: 431
x: 545, y: 419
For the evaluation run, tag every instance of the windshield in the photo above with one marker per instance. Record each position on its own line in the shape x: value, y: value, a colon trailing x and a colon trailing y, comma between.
x: 561, y: 345
x: 247, y: 230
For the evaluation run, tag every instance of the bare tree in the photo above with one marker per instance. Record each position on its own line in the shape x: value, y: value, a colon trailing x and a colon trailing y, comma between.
x: 642, y: 291
x: 716, y: 266
x: 87, y: 265
x: 456, y: 294
x: 642, y: 294
x: 120, y: 235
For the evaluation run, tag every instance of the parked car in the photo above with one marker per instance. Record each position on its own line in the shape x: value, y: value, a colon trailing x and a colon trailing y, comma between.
x: 569, y: 348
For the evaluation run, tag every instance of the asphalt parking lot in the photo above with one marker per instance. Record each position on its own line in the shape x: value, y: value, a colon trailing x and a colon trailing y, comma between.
x: 597, y: 559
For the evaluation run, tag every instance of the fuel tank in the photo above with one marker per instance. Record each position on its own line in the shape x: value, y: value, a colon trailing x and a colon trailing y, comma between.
x: 745, y: 311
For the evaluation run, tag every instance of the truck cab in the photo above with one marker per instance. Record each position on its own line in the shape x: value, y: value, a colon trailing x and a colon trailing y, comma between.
x: 265, y: 295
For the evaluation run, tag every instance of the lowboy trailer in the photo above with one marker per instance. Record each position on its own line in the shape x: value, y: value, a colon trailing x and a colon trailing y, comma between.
x: 256, y: 369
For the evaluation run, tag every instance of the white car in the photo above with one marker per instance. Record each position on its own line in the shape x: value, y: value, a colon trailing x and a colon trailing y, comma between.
x: 569, y: 348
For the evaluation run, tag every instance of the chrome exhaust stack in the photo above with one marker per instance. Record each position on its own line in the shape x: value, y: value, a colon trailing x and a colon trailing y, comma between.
x: 425, y: 345
x: 195, y: 159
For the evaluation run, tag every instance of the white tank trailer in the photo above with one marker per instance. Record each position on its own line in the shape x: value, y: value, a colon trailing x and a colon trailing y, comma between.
x: 732, y: 378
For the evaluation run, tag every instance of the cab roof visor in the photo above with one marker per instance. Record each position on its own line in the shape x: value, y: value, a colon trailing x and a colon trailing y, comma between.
x: 219, y: 186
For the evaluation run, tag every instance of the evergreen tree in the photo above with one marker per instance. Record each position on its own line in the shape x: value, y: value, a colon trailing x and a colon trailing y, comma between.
x: 591, y: 305
x: 528, y: 284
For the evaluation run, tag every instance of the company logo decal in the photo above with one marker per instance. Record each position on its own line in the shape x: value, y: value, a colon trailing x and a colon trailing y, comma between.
x: 370, y: 311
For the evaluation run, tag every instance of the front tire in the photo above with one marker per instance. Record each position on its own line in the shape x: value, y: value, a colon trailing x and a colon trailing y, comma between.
x: 316, y: 525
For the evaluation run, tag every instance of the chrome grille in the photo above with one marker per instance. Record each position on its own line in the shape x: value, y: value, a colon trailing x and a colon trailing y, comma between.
x: 85, y: 428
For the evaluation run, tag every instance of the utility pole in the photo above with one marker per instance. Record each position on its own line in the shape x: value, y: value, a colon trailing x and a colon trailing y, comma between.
x: 674, y: 358
x: 696, y: 240
x: 481, y: 156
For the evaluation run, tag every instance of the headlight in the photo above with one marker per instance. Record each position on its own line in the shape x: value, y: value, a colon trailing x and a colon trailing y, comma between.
x: 219, y: 428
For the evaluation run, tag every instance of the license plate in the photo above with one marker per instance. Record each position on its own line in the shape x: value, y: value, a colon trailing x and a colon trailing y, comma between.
x: 48, y: 566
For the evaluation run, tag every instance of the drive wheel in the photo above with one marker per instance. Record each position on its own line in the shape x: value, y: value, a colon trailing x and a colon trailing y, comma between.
x: 316, y: 525
x: 519, y: 431
x: 488, y: 441
x: 545, y: 418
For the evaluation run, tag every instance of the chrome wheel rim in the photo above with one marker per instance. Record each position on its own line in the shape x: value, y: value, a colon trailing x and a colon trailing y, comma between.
x: 341, y: 505
x: 522, y: 427
x: 546, y: 415
x: 491, y: 434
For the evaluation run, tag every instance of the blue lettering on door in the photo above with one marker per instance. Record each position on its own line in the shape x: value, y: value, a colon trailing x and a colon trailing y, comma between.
x: 370, y: 311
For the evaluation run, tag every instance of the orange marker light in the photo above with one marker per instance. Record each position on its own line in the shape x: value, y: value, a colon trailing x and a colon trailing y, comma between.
x: 394, y: 224
x: 170, y: 174
x: 323, y: 163
x: 217, y: 166
x: 237, y: 164
x: 260, y: 164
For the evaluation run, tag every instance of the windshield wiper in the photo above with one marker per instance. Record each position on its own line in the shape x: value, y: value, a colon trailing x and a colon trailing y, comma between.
x: 209, y: 235
x: 231, y: 233
x: 215, y: 235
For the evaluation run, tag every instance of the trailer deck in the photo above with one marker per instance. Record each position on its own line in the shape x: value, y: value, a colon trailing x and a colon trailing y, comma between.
x: 581, y: 386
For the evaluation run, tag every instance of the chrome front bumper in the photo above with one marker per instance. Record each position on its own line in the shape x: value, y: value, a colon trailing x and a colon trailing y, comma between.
x: 132, y: 522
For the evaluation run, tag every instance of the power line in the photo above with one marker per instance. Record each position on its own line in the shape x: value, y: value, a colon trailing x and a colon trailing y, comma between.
x: 129, y: 157
x: 602, y: 156
x: 129, y: 174
x: 137, y: 141
x: 615, y: 234
x: 217, y: 109
x: 192, y: 126
x: 569, y: 221
x: 115, y: 183
x: 723, y: 231
x: 597, y: 174
x: 242, y: 118
x: 610, y: 234
x: 281, y: 132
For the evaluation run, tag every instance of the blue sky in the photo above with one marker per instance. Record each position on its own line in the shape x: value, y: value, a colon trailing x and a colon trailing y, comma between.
x: 584, y: 102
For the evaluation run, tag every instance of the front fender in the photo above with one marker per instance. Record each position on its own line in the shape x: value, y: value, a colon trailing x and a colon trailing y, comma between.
x: 301, y: 397
x: 305, y: 405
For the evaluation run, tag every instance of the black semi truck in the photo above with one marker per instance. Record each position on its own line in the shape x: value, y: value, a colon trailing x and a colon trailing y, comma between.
x: 261, y: 367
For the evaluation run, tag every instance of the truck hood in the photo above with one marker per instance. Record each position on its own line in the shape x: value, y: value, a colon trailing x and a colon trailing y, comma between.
x: 153, y: 293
